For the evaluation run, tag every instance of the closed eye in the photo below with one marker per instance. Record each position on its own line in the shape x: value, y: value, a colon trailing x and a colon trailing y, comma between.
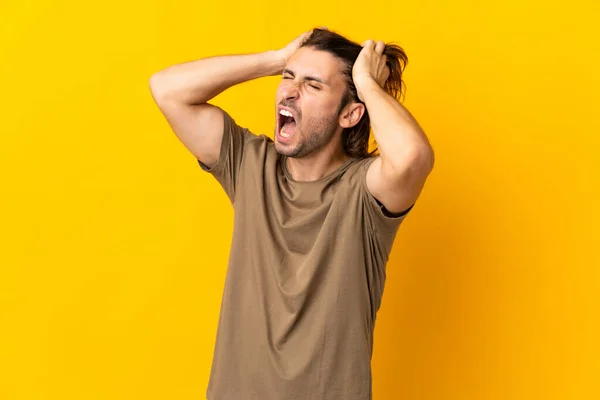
x: 314, y: 87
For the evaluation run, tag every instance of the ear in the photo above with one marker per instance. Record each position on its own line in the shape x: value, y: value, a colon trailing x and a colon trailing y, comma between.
x: 351, y: 114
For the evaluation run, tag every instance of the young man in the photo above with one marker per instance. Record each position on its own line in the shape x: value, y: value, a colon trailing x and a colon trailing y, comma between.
x: 315, y: 212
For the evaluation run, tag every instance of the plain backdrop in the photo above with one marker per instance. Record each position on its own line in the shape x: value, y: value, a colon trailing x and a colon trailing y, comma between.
x: 114, y: 244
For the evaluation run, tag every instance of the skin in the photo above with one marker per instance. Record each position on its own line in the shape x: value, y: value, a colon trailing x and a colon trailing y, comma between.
x: 397, y: 176
x: 316, y: 146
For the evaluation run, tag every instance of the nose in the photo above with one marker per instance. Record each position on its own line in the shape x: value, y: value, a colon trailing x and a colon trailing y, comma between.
x: 290, y: 91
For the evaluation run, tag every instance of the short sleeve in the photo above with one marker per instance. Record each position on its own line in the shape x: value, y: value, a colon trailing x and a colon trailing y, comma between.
x: 378, y: 218
x: 227, y: 168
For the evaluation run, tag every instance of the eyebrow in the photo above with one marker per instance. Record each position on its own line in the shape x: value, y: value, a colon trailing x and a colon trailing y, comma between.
x: 307, y: 78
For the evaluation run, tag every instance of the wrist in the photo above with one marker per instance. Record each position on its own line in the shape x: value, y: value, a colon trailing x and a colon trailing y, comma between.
x: 276, y: 61
x: 365, y: 84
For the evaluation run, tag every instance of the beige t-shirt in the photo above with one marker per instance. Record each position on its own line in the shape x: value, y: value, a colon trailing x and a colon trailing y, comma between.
x: 304, y: 281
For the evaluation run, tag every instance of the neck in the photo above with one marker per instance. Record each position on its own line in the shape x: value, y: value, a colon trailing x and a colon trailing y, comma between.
x: 315, y: 166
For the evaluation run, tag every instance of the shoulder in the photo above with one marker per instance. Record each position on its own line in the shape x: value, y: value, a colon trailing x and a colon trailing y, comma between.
x: 379, y: 218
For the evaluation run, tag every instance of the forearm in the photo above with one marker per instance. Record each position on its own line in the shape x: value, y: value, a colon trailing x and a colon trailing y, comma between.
x: 196, y: 82
x: 398, y: 135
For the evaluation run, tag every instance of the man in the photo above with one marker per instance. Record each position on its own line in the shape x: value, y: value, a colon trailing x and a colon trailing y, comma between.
x: 315, y: 213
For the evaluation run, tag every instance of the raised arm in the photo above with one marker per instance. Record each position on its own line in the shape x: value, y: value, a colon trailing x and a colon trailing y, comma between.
x: 182, y: 91
x: 396, y: 178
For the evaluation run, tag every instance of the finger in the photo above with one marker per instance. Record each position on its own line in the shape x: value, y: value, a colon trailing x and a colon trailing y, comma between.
x: 302, y: 38
x: 379, y: 47
x: 383, y: 77
x: 369, y: 44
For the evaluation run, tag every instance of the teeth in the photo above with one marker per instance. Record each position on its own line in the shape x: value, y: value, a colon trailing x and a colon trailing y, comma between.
x: 286, y: 113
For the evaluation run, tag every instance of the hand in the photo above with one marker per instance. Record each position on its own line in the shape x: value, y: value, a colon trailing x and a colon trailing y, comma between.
x: 285, y: 53
x: 370, y: 66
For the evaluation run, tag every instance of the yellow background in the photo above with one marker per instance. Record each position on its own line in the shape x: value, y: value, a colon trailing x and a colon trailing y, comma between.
x: 114, y: 243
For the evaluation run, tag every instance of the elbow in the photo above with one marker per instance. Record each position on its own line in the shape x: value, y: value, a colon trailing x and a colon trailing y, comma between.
x: 423, y: 155
x: 156, y: 85
x: 424, y: 158
x: 429, y: 157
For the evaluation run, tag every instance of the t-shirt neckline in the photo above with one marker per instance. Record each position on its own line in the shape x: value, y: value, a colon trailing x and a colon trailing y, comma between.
x: 324, y: 178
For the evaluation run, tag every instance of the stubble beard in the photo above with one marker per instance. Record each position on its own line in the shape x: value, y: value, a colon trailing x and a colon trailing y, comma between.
x: 321, y: 134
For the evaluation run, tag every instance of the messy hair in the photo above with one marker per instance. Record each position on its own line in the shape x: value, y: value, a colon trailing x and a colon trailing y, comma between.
x: 356, y: 138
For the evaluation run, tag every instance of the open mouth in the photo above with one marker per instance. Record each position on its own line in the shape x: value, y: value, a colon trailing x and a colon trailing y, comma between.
x: 286, y: 123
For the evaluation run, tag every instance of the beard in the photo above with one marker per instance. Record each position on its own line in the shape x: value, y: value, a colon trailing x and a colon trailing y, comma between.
x: 310, y: 136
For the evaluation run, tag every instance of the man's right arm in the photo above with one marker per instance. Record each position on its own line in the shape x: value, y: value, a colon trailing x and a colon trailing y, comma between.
x: 182, y: 91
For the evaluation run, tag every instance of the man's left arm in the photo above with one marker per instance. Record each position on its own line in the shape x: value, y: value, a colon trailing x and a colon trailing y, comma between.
x: 398, y: 174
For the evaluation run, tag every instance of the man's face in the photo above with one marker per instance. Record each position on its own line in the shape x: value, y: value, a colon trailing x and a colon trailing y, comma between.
x: 309, y: 96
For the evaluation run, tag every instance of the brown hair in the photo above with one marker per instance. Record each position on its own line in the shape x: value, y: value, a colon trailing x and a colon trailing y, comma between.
x: 356, y: 139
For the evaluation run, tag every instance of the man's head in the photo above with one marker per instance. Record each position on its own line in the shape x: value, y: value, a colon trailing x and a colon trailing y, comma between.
x: 319, y: 100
